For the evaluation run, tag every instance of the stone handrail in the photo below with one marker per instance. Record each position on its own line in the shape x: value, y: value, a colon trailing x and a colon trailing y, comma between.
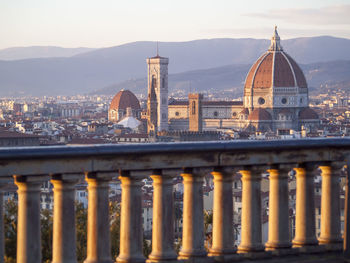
x: 65, y: 165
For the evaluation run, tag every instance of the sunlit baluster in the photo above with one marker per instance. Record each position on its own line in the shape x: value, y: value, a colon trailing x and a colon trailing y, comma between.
x: 278, y: 209
x: 28, y: 224
x: 330, y: 206
x: 163, y: 219
x: 305, y: 208
x: 251, y: 235
x: 98, y: 230
x: 193, y: 218
x: 223, y: 242
x: 131, y: 243
x: 64, y: 235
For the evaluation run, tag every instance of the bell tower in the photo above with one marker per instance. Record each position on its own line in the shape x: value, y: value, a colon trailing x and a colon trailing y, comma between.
x: 158, y: 90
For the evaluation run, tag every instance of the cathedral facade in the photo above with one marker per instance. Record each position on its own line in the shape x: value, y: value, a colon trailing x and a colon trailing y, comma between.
x: 275, y: 99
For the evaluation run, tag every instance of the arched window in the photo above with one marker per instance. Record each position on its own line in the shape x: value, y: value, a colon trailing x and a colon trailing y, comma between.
x: 154, y: 82
x: 193, y: 107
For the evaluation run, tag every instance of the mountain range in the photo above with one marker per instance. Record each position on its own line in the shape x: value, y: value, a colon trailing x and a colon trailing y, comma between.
x: 16, y: 53
x: 320, y: 76
x: 215, y: 63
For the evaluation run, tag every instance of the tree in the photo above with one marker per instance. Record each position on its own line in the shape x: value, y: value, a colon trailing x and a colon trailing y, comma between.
x: 10, y: 227
x: 46, y: 234
x: 114, y: 214
x: 208, y: 222
x: 81, y: 229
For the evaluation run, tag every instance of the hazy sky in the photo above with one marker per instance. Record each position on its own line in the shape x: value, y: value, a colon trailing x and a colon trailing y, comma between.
x: 103, y: 23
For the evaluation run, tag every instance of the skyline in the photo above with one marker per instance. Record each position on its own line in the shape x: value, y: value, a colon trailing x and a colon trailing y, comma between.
x: 108, y: 23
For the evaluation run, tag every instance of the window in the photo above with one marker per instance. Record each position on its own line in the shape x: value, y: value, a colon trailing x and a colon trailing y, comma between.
x: 164, y: 116
x: 177, y: 113
x: 193, y: 107
x: 284, y: 100
x: 261, y: 101
x: 154, y: 82
x: 216, y: 113
x: 234, y: 114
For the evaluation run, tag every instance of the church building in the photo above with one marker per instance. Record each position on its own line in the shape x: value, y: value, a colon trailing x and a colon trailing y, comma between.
x: 275, y: 99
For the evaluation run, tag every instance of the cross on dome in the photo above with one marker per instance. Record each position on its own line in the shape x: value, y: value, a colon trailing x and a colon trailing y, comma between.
x: 275, y: 42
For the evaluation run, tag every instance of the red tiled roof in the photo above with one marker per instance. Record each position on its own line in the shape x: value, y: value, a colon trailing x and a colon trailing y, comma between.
x: 10, y: 134
x: 308, y: 114
x: 259, y: 114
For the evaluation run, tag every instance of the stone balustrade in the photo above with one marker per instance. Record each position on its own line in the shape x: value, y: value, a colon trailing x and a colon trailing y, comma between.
x: 64, y: 166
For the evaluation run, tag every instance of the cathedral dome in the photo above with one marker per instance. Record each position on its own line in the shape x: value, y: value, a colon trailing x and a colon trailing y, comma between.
x: 308, y: 114
x: 259, y: 114
x: 275, y: 68
x: 124, y: 99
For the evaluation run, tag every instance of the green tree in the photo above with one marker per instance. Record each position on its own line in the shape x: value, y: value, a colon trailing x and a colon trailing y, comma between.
x: 208, y: 222
x: 114, y: 216
x: 46, y: 234
x: 81, y: 231
x: 10, y: 227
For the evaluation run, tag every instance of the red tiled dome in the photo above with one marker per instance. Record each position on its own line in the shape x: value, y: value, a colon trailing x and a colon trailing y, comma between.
x: 308, y: 114
x: 124, y: 99
x: 259, y: 114
x: 275, y: 68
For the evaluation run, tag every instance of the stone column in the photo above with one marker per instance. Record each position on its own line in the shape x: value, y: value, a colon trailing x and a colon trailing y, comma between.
x: 28, y: 223
x: 305, y: 208
x: 64, y: 234
x: 131, y: 235
x: 251, y: 235
x: 223, y: 238
x: 278, y: 209
x: 163, y: 219
x: 193, y: 218
x: 330, y: 206
x: 98, y: 229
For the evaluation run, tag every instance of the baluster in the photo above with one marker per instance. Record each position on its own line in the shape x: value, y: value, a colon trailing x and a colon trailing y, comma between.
x: 131, y: 239
x: 163, y: 219
x: 64, y: 235
x: 330, y: 206
x: 251, y: 235
x: 278, y: 209
x: 98, y: 230
x: 305, y: 207
x: 193, y: 218
x: 223, y: 243
x: 28, y: 223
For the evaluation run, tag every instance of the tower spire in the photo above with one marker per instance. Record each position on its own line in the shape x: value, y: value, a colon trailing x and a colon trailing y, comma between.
x: 275, y: 42
x: 157, y: 48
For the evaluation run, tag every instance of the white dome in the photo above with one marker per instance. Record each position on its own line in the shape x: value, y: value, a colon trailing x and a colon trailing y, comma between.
x: 130, y: 122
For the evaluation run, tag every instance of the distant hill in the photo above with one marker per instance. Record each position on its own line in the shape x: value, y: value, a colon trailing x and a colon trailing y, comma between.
x: 232, y: 78
x: 89, y: 71
x: 17, y: 53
